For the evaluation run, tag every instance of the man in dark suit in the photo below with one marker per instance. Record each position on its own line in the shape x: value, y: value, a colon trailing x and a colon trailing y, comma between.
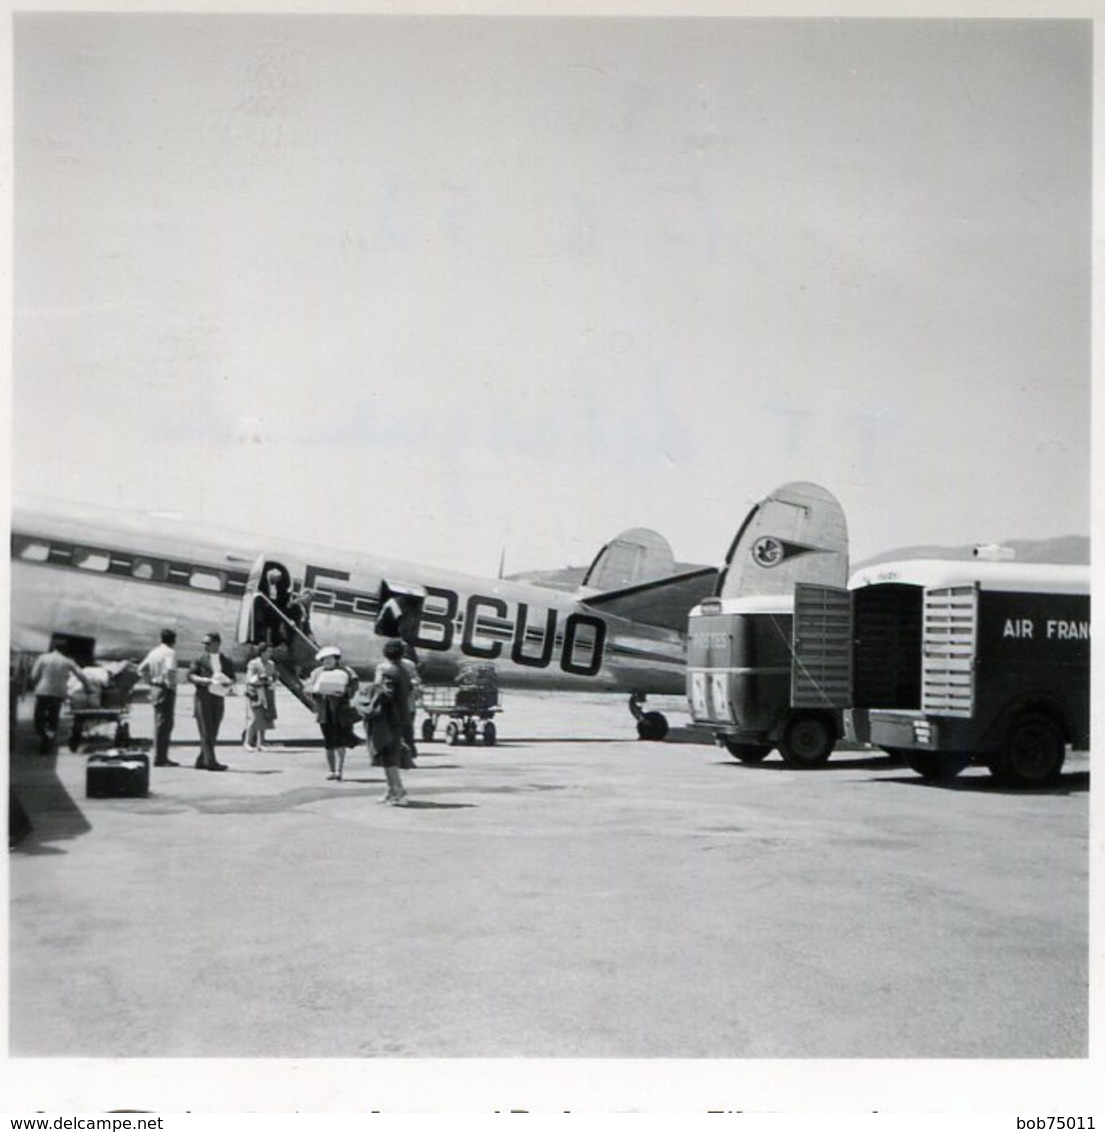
x: 212, y: 674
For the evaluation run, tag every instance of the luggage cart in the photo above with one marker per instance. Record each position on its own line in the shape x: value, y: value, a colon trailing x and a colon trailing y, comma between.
x: 470, y: 706
x: 101, y: 721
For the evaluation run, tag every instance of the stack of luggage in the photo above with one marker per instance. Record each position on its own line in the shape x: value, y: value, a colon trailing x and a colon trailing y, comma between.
x: 477, y: 687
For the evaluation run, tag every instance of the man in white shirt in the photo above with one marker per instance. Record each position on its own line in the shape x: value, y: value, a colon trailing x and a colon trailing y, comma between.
x: 159, y: 669
x: 50, y: 680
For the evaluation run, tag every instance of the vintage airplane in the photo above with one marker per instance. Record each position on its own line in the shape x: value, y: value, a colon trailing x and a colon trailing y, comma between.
x: 106, y: 582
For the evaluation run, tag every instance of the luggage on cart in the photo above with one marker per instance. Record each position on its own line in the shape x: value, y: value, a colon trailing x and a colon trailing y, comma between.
x: 99, y: 719
x: 117, y: 774
x: 469, y: 705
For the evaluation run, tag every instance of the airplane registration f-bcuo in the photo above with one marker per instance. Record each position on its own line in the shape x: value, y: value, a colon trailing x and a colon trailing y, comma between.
x: 107, y: 582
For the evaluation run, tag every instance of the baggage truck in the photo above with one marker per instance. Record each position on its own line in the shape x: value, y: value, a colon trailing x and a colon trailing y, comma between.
x: 949, y: 663
x: 743, y: 683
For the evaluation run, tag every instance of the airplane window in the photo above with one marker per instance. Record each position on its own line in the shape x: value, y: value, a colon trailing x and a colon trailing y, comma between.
x: 150, y: 571
x: 207, y: 580
x: 32, y: 551
x: 91, y: 559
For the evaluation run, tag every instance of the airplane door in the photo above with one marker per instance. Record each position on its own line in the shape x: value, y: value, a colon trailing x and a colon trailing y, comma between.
x: 251, y: 621
x: 821, y: 653
x: 400, y: 612
x: 247, y: 620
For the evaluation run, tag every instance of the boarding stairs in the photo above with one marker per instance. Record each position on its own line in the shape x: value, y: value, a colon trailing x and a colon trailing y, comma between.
x: 293, y: 652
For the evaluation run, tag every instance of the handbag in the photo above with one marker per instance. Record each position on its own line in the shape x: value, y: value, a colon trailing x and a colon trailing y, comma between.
x: 370, y: 702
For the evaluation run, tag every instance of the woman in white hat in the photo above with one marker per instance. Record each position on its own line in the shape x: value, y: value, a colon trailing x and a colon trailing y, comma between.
x: 331, y: 686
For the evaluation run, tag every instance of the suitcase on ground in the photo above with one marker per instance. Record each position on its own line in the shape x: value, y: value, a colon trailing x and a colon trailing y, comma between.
x: 117, y: 774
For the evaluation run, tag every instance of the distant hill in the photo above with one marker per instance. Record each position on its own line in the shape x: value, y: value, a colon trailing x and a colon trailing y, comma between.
x: 1072, y: 550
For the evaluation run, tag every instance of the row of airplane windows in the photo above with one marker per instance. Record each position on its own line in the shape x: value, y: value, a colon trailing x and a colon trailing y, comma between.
x: 29, y: 548
x: 119, y: 563
x: 123, y: 563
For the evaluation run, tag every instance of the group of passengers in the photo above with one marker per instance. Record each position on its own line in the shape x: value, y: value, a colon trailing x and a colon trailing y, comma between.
x: 339, y: 699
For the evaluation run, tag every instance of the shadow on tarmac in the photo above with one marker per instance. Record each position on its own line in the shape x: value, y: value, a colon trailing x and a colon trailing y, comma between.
x: 864, y: 762
x: 689, y: 735
x: 676, y: 736
x: 421, y: 804
x: 41, y: 810
x: 523, y: 741
x: 1074, y: 782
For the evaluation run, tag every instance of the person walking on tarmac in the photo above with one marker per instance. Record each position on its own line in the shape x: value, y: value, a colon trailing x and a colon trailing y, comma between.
x: 159, y: 669
x: 408, y: 662
x: 332, y: 686
x: 213, y: 675
x: 260, y: 697
x: 389, y: 720
x: 50, y: 681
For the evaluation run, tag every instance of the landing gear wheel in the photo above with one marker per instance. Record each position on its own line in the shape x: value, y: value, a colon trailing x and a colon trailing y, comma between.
x: 807, y: 742
x: 489, y: 734
x: 427, y: 729
x: 452, y: 734
x: 652, y: 726
x: 1033, y: 755
x: 747, y: 752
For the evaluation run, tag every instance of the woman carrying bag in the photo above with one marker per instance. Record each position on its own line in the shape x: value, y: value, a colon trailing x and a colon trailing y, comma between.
x: 260, y: 697
x: 332, y: 687
x: 385, y: 708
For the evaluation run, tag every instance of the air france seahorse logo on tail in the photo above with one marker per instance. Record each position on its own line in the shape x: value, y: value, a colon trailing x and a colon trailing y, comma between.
x: 770, y: 552
x: 798, y: 533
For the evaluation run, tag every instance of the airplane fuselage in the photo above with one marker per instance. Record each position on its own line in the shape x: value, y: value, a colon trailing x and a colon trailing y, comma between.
x: 118, y: 582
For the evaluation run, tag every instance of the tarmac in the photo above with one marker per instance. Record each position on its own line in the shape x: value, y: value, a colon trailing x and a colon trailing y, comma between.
x: 570, y: 893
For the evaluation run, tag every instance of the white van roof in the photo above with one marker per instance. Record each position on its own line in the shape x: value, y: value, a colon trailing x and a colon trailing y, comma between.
x: 1011, y: 577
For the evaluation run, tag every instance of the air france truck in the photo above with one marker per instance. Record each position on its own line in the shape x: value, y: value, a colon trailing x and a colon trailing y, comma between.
x: 954, y: 663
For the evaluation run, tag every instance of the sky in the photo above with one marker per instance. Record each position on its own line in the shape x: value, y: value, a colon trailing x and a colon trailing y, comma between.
x: 445, y: 288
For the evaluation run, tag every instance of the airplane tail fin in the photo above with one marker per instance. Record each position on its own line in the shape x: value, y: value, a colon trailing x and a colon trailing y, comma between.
x: 634, y: 576
x: 635, y: 556
x: 798, y: 533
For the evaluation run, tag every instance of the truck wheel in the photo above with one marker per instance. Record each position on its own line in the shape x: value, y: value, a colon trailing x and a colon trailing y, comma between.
x: 1033, y: 754
x: 427, y: 729
x: 489, y: 734
x: 747, y: 752
x: 452, y: 733
x: 652, y: 726
x: 807, y: 742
